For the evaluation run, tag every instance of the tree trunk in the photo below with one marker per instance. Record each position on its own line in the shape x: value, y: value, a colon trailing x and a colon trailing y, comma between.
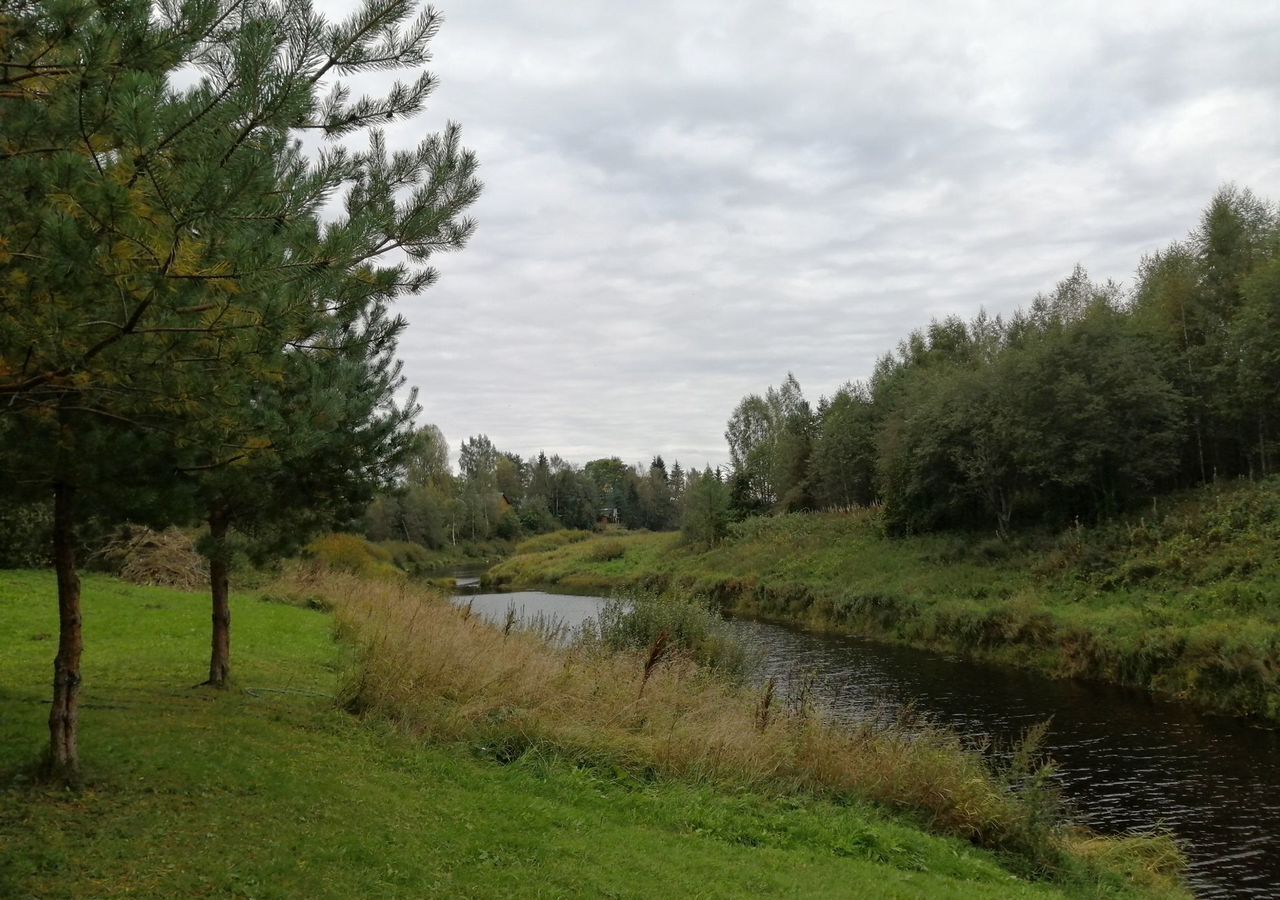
x: 220, y: 589
x: 64, y: 716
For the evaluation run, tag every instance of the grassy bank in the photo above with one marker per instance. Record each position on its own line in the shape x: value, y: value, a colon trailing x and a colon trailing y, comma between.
x: 1184, y: 600
x: 270, y: 790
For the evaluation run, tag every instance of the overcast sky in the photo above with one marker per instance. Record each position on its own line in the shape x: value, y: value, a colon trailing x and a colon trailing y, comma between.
x: 685, y: 200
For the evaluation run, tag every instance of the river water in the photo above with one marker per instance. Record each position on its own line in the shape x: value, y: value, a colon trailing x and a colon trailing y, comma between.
x: 1127, y: 761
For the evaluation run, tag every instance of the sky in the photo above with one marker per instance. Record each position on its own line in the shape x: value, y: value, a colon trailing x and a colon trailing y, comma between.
x: 686, y: 200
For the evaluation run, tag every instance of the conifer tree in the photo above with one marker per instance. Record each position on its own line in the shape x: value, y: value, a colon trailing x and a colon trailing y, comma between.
x: 162, y: 249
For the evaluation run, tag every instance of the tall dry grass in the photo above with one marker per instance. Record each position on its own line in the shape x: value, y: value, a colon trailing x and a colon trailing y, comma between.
x: 446, y: 675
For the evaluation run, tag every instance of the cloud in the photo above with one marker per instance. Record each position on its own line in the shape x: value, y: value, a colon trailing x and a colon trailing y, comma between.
x: 685, y: 200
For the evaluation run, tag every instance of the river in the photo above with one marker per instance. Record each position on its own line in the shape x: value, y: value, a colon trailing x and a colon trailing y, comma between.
x: 1126, y: 761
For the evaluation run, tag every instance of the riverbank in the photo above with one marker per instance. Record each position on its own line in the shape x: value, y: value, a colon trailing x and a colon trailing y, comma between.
x: 271, y: 790
x: 1183, y: 601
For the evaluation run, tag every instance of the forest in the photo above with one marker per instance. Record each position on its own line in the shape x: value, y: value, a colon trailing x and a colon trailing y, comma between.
x: 1092, y: 399
x: 498, y: 495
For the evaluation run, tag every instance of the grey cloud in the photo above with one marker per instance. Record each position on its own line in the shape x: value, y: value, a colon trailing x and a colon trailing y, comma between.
x: 685, y: 200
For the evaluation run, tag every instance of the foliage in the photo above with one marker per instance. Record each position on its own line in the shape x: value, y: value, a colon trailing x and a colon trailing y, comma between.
x: 687, y: 626
x: 25, y: 530
x: 352, y: 553
x: 1085, y: 404
x: 551, y: 541
x: 499, y: 494
x: 194, y: 302
x: 706, y: 510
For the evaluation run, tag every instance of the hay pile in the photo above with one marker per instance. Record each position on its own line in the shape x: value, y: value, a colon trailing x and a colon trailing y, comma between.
x: 158, y: 558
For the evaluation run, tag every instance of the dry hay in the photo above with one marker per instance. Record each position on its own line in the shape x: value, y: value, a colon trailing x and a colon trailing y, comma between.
x: 157, y: 558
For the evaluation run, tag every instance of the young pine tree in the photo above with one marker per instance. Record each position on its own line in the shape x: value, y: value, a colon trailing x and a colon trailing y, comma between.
x: 162, y: 251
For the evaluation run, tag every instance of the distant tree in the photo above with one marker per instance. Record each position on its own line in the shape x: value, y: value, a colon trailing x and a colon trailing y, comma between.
x: 535, y: 516
x: 706, y: 510
x: 657, y: 506
x: 1092, y: 416
x: 677, y: 481
x: 770, y: 439
x: 1255, y: 339
x: 844, y: 452
x: 427, y: 461
x: 510, y: 474
x: 478, y: 461
x: 613, y: 481
x: 750, y: 435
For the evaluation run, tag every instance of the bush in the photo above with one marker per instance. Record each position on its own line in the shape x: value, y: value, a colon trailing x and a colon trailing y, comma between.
x: 604, y: 551
x: 508, y: 528
x: 26, y: 535
x: 685, y: 626
x: 352, y: 553
x: 552, y: 541
x: 414, y: 559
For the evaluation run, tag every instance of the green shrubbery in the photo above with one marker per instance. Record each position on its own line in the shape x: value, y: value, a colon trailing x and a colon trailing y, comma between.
x: 25, y: 531
x: 409, y: 557
x: 606, y: 550
x: 672, y: 625
x: 352, y: 553
x: 551, y: 541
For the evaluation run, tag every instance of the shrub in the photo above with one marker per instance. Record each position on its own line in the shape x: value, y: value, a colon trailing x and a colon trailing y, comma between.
x: 682, y: 625
x: 408, y: 556
x: 604, y: 551
x: 25, y: 535
x: 551, y: 541
x: 352, y: 553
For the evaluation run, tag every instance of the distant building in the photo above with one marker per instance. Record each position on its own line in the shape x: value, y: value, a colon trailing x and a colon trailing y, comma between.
x: 607, y: 515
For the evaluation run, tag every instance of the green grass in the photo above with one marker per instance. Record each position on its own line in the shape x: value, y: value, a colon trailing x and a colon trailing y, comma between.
x: 269, y: 791
x: 1184, y: 600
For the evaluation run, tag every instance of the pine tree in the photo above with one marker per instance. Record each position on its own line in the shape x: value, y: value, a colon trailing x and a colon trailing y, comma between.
x: 162, y: 251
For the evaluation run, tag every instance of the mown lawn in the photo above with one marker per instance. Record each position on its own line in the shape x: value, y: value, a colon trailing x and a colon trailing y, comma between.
x: 268, y: 790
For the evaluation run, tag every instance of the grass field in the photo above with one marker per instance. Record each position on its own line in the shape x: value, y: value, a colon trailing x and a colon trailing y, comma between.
x: 269, y: 790
x: 1183, y: 599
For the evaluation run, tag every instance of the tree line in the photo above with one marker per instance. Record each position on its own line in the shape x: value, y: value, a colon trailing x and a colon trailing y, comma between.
x: 498, y: 494
x: 196, y: 311
x: 1093, y: 398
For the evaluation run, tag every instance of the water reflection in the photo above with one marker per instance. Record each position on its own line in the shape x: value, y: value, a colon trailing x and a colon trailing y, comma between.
x: 1127, y: 761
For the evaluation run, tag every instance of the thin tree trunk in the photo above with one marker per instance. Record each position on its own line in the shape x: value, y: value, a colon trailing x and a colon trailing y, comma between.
x: 220, y: 589
x: 1262, y: 443
x: 64, y: 716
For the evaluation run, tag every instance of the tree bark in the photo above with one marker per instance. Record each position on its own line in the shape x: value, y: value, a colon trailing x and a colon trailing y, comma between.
x: 64, y: 717
x: 220, y: 589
